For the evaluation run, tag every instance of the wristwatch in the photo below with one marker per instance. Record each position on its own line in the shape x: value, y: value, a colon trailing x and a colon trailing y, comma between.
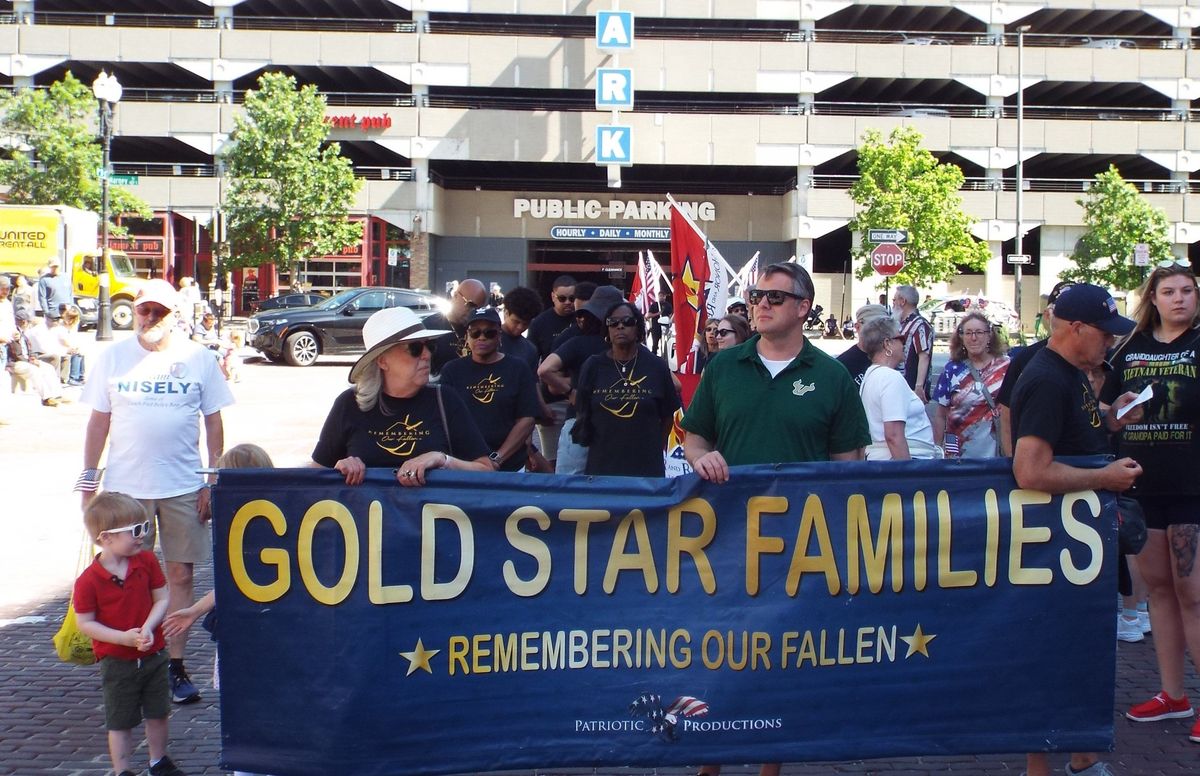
x: 495, y: 457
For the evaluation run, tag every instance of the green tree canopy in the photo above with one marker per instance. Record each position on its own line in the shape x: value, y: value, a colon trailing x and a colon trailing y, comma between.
x: 290, y: 191
x: 51, y: 151
x: 1117, y: 218
x: 903, y: 186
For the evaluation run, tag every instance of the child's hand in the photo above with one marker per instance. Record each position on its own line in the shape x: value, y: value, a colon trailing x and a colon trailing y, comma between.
x: 132, y: 638
x: 145, y: 640
x: 178, y: 622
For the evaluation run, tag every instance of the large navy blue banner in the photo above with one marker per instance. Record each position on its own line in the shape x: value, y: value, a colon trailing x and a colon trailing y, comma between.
x: 798, y: 612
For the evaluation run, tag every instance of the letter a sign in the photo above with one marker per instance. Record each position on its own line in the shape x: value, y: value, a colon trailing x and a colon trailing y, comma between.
x: 614, y: 30
x: 614, y: 145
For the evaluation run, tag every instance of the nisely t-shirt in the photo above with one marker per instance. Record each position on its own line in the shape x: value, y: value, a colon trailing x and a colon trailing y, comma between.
x: 626, y: 412
x: 1165, y: 442
x: 856, y: 362
x: 497, y: 396
x: 156, y: 399
x: 121, y: 604
x: 1054, y: 402
x: 396, y: 430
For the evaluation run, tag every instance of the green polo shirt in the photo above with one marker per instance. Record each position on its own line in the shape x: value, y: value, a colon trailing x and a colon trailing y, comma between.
x: 809, y: 412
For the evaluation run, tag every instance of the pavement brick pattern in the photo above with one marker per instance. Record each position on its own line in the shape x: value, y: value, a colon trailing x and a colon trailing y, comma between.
x: 52, y: 717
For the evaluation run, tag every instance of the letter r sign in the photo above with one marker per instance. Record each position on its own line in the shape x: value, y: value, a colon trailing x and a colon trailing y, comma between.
x: 614, y: 145
x: 614, y: 88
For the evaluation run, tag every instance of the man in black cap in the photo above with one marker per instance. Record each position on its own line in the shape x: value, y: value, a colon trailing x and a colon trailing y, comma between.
x: 1055, y: 413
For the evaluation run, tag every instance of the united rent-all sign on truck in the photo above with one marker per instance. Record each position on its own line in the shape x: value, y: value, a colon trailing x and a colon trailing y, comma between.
x: 31, y: 235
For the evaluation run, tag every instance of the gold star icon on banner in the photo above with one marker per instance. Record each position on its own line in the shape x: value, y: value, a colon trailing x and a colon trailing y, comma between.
x: 419, y: 658
x: 918, y: 642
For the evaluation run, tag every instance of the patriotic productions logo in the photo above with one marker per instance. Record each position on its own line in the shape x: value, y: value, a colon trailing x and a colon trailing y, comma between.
x: 664, y: 722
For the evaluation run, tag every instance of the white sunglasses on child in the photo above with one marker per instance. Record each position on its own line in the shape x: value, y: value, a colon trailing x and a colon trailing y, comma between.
x: 137, y: 529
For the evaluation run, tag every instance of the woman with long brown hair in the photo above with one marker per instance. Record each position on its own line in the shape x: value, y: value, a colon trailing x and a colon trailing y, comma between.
x: 1160, y: 355
x: 967, y: 420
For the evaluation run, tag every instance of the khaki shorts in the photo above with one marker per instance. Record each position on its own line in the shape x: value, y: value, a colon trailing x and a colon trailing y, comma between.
x: 548, y: 435
x: 133, y: 689
x: 184, y: 538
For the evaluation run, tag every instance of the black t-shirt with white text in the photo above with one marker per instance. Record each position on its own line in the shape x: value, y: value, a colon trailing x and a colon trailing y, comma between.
x: 626, y: 414
x: 856, y: 362
x: 396, y: 430
x: 497, y: 396
x: 1165, y: 443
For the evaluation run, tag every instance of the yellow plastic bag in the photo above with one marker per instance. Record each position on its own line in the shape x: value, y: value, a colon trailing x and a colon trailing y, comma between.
x: 71, y: 644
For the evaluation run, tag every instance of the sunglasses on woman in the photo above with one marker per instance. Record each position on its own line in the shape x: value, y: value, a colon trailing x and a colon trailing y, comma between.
x: 485, y: 333
x: 774, y: 297
x: 415, y: 349
x: 627, y: 322
x: 725, y: 332
x: 1167, y: 263
x: 137, y: 530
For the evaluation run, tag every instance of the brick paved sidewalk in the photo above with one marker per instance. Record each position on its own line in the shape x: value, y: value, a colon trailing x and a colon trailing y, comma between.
x: 52, y: 717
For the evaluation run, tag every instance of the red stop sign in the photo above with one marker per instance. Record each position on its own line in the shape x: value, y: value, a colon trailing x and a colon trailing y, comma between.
x: 887, y: 259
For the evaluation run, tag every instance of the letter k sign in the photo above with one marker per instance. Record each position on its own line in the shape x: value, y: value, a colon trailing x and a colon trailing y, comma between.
x: 614, y: 144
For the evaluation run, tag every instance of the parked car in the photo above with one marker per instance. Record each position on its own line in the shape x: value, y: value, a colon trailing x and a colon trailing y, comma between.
x: 287, y: 300
x: 297, y: 335
x: 1108, y: 43
x: 944, y: 313
x: 924, y: 40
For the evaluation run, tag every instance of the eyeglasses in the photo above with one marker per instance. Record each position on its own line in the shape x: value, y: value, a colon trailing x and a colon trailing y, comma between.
x: 627, y: 322
x: 725, y: 332
x: 152, y: 310
x: 485, y: 333
x: 972, y: 333
x: 415, y: 349
x: 1166, y: 263
x: 470, y: 305
x: 563, y: 299
x: 774, y: 297
x: 138, y: 530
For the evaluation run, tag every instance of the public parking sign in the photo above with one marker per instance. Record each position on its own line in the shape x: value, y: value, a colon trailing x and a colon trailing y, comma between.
x: 887, y: 259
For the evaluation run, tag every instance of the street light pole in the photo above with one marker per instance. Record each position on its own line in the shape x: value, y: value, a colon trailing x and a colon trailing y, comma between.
x: 1020, y: 162
x: 108, y: 91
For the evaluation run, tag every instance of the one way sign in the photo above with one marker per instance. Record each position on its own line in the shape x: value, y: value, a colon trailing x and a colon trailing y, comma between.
x: 614, y: 145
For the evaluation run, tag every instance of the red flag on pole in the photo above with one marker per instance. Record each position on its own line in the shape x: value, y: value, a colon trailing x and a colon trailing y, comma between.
x: 644, y: 292
x: 689, y: 270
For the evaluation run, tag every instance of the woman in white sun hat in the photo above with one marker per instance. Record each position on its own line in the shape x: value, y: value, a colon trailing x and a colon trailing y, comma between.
x: 392, y: 417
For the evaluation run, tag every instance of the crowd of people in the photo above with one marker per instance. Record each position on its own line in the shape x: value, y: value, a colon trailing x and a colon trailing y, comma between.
x: 574, y: 389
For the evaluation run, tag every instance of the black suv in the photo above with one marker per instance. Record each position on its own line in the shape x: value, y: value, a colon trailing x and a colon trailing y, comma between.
x: 300, y: 334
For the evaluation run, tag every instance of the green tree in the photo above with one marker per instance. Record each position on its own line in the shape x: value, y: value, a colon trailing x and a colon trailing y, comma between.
x: 903, y: 186
x: 290, y: 191
x: 1117, y: 218
x: 51, y: 150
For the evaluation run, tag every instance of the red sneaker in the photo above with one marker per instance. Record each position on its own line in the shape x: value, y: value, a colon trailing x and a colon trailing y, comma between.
x: 1195, y: 734
x: 1161, y: 706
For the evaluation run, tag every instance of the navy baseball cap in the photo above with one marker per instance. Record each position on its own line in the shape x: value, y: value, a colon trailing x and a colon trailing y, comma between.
x: 1086, y: 303
x: 484, y: 314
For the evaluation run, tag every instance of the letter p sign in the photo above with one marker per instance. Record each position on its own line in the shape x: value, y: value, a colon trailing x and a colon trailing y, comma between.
x: 614, y: 88
x: 614, y: 145
x: 614, y: 30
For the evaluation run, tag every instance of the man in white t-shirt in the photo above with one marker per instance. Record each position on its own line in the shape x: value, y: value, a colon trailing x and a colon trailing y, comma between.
x: 148, y: 395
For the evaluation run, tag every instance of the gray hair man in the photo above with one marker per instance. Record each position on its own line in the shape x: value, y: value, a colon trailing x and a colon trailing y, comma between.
x: 918, y: 340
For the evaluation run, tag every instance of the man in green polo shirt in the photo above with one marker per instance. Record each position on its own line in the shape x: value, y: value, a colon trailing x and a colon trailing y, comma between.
x: 775, y: 398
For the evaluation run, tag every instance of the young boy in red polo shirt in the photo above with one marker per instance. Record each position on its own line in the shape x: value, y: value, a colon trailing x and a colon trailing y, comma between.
x: 120, y: 601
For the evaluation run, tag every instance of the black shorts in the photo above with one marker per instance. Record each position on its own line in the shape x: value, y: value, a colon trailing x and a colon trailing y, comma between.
x: 1163, y: 511
x: 134, y: 689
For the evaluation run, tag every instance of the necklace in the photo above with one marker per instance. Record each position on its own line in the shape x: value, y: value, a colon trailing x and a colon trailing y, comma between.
x: 626, y: 367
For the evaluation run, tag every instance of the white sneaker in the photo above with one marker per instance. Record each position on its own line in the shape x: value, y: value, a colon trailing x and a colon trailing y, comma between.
x: 1144, y: 620
x: 1129, y: 630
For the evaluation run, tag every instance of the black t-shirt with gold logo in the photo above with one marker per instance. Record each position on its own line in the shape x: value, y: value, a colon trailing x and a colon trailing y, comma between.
x: 626, y: 411
x: 1053, y: 401
x: 497, y: 396
x: 397, y: 430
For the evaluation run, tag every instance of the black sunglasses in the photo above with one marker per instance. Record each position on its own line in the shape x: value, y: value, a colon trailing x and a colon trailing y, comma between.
x: 725, y: 332
x: 564, y: 299
x: 415, y: 349
x: 628, y: 322
x: 774, y: 297
x: 485, y: 333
